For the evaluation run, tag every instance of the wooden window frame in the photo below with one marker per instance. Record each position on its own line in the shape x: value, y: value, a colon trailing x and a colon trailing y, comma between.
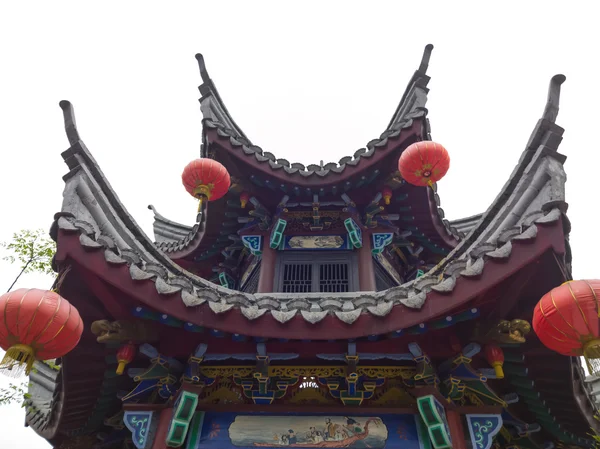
x: 316, y: 259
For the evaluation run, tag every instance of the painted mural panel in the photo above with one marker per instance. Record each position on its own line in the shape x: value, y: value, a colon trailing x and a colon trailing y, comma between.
x: 316, y: 242
x: 230, y: 431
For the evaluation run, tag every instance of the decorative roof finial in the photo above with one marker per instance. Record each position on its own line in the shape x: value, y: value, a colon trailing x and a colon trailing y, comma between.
x: 69, y: 118
x: 551, y: 109
x: 202, y: 66
x: 425, y: 58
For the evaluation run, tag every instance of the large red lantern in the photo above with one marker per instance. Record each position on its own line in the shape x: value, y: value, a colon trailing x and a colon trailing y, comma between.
x: 36, y: 325
x: 566, y: 321
x: 495, y: 357
x: 424, y: 163
x: 206, y: 179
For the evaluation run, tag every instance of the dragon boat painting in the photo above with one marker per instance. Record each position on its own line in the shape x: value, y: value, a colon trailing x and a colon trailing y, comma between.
x: 308, y: 432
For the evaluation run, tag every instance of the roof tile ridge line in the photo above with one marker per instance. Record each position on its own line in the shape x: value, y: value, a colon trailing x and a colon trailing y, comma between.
x: 208, y: 87
x: 112, y: 198
x: 466, y: 219
x: 550, y: 114
x: 159, y: 217
x: 418, y: 75
x: 169, y: 244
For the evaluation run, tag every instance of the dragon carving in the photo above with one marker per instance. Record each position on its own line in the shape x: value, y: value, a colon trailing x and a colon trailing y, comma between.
x: 120, y: 331
x: 509, y: 332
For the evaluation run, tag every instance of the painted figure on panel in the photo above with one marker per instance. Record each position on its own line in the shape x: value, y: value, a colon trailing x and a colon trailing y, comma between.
x: 308, y: 432
x: 316, y: 242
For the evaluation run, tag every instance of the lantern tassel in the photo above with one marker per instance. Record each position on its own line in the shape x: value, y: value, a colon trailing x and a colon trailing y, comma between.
x: 498, y: 369
x: 430, y: 183
x: 121, y: 367
x: 17, y: 361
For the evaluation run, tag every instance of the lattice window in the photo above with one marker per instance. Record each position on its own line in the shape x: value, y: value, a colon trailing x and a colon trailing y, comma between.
x: 333, y: 277
x: 322, y: 271
x: 297, y: 278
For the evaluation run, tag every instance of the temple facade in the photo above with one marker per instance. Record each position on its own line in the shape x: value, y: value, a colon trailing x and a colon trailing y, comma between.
x: 328, y: 305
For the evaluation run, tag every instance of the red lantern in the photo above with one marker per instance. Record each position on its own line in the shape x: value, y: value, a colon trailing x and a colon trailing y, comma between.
x: 424, y: 163
x: 36, y: 324
x: 206, y: 178
x: 386, y: 192
x: 125, y: 356
x: 244, y: 198
x: 495, y: 357
x: 566, y: 321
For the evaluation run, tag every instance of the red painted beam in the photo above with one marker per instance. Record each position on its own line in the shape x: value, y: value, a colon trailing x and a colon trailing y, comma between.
x: 549, y: 237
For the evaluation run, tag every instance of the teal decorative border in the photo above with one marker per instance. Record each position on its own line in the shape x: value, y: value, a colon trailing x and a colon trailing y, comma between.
x: 434, y: 416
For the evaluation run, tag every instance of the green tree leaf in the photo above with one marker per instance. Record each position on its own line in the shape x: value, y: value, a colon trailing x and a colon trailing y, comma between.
x: 13, y: 394
x: 32, y: 250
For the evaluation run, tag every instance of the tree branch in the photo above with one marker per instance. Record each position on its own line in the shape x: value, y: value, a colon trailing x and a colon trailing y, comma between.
x: 22, y: 271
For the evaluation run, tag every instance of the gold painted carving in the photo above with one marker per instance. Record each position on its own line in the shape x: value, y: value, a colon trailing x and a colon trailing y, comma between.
x: 118, y: 331
x: 393, y: 396
x: 388, y: 372
x: 310, y: 396
x: 307, y: 371
x: 510, y: 332
x: 226, y: 371
x: 224, y: 394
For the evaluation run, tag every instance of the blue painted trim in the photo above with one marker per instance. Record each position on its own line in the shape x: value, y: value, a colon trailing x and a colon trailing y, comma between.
x: 142, y: 428
x: 482, y: 429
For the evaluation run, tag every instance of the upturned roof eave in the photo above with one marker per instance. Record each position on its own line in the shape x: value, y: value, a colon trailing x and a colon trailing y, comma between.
x: 532, y: 199
x: 258, y: 315
x: 217, y: 117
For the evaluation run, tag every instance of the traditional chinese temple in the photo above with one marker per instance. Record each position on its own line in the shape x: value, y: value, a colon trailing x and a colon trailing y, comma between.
x: 323, y: 306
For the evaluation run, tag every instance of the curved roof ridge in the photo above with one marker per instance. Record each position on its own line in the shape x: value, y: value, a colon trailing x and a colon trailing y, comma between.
x: 168, y: 231
x: 93, y: 213
x: 538, y: 178
x: 216, y: 115
x: 119, y: 225
x: 464, y: 225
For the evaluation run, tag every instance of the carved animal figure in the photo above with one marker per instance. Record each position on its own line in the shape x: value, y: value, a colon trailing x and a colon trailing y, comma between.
x: 504, y: 331
x: 119, y: 331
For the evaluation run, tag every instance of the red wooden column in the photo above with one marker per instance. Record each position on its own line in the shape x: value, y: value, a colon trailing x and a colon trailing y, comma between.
x: 456, y: 429
x: 164, y: 421
x: 267, y: 268
x: 366, y: 271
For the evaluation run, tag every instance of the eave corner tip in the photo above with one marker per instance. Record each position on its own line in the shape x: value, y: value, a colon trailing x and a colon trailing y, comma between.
x: 202, y: 67
x: 69, y: 119
x: 552, y: 105
x: 425, y: 58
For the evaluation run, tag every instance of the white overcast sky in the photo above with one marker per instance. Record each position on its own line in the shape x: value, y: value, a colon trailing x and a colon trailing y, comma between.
x: 307, y: 81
